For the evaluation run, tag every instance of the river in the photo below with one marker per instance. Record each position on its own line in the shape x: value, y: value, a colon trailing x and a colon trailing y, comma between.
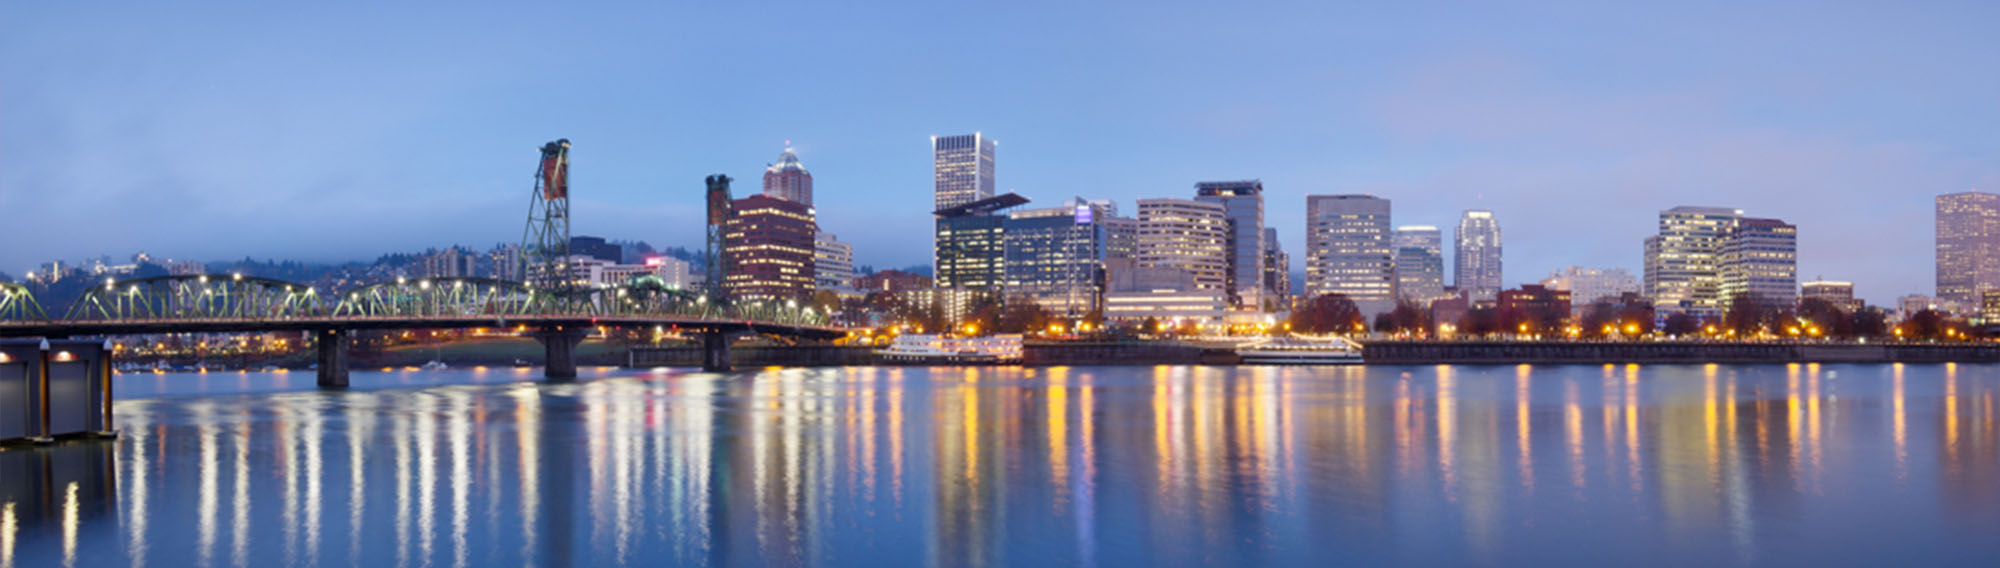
x: 1848, y: 465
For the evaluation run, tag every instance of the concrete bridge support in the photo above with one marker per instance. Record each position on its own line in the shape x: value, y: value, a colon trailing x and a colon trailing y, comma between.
x: 715, y: 351
x: 332, y: 357
x: 559, y: 349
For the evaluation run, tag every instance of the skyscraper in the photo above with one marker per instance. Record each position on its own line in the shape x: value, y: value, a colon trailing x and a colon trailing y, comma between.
x: 1277, y: 272
x: 1243, y: 207
x: 768, y: 244
x: 788, y: 179
x: 1056, y: 256
x: 971, y: 243
x: 1476, y: 255
x: 962, y: 169
x: 1419, y: 263
x: 1683, y: 262
x: 1348, y: 250
x: 1187, y: 235
x: 1760, y: 257
x: 1968, y: 248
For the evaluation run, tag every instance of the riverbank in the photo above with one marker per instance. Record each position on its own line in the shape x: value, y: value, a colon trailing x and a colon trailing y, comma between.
x: 1512, y: 352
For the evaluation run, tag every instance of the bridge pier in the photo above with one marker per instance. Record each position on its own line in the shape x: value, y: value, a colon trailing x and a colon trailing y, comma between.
x: 559, y: 350
x: 332, y: 358
x: 715, y: 351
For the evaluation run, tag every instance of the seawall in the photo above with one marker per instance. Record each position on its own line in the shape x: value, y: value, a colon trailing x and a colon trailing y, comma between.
x: 1507, y: 352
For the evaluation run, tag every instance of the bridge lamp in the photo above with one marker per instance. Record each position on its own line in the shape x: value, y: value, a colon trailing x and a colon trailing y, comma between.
x: 239, y: 277
x: 400, y: 281
x: 204, y: 278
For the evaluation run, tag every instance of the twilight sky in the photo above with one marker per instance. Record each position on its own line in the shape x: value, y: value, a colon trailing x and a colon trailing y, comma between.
x: 343, y: 130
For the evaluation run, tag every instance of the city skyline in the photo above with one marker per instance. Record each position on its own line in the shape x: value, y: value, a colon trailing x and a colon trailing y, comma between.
x: 325, y: 164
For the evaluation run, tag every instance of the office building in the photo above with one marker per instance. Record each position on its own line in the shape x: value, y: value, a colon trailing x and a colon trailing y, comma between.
x: 1760, y: 258
x: 1968, y: 248
x: 1055, y: 256
x: 1840, y: 294
x: 506, y: 262
x: 451, y: 262
x: 1167, y: 294
x: 1243, y: 245
x: 596, y: 247
x: 1121, y: 238
x: 893, y: 281
x: 833, y: 261
x: 1588, y: 286
x: 1419, y: 263
x: 1277, y: 273
x: 1909, y: 305
x: 971, y: 243
x: 962, y: 169
x: 1535, y: 299
x: 1188, y: 235
x: 1684, y: 260
x: 788, y: 179
x: 1476, y: 255
x: 673, y: 272
x: 1349, y: 250
x: 769, y: 246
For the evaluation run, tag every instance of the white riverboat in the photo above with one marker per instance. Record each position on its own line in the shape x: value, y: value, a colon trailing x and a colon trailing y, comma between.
x: 1301, y: 350
x: 921, y: 349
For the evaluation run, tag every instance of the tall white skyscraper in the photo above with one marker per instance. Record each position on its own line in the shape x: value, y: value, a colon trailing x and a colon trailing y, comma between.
x: 1759, y: 257
x: 788, y: 179
x: 1476, y: 255
x: 962, y: 169
x: 1348, y: 250
x: 1419, y: 263
x: 1243, y: 203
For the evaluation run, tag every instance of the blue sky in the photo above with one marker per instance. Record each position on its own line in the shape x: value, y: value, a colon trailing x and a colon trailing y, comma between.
x: 340, y: 131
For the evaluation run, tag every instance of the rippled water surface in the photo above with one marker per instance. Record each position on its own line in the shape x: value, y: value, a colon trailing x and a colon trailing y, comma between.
x: 1866, y: 465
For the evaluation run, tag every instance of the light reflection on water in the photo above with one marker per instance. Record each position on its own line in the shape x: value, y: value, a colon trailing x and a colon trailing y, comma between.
x: 1101, y: 466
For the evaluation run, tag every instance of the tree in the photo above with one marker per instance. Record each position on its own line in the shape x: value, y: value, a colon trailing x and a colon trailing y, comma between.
x: 1409, y: 318
x: 1926, y: 324
x: 1599, y: 319
x: 1681, y: 324
x: 1868, y: 322
x: 1327, y: 313
x: 1150, y: 325
x: 1480, y: 321
x: 1095, y: 318
x: 1021, y: 315
x: 1748, y: 315
x: 824, y: 301
x: 1822, y: 315
x: 1385, y: 323
x: 1636, y: 319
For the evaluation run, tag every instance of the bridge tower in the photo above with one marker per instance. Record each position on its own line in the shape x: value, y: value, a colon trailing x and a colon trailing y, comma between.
x: 716, y: 262
x: 545, y: 241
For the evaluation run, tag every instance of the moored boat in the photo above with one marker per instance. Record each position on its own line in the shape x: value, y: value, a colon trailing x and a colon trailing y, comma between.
x: 921, y: 349
x: 1301, y: 350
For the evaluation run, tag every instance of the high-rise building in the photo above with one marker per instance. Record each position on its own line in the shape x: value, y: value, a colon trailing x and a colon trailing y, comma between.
x: 1243, y: 248
x: 1476, y: 255
x: 1587, y: 286
x: 1277, y: 273
x: 788, y: 179
x: 1968, y: 248
x: 833, y: 261
x: 1055, y: 256
x: 971, y: 244
x: 768, y: 244
x: 1186, y: 234
x: 962, y: 169
x: 1760, y: 257
x: 673, y: 272
x: 1419, y: 263
x: 452, y: 262
x: 1348, y: 250
x: 1121, y: 238
x: 1840, y: 294
x: 1684, y: 261
x: 506, y: 262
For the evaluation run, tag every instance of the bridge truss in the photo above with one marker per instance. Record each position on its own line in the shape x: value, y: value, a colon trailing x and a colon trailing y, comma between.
x: 219, y: 297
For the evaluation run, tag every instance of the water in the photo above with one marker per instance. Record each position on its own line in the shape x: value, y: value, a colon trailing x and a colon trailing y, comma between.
x: 1861, y: 465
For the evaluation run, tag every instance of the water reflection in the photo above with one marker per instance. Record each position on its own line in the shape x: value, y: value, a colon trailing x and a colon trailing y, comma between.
x: 1893, y: 464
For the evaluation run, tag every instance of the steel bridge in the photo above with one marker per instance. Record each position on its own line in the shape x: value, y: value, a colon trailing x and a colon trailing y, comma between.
x: 222, y: 303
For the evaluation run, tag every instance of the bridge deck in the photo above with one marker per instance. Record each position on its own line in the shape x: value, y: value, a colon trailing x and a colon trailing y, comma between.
x: 58, y: 328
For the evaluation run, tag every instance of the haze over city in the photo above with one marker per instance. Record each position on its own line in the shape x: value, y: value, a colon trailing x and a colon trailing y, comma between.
x: 342, y: 132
